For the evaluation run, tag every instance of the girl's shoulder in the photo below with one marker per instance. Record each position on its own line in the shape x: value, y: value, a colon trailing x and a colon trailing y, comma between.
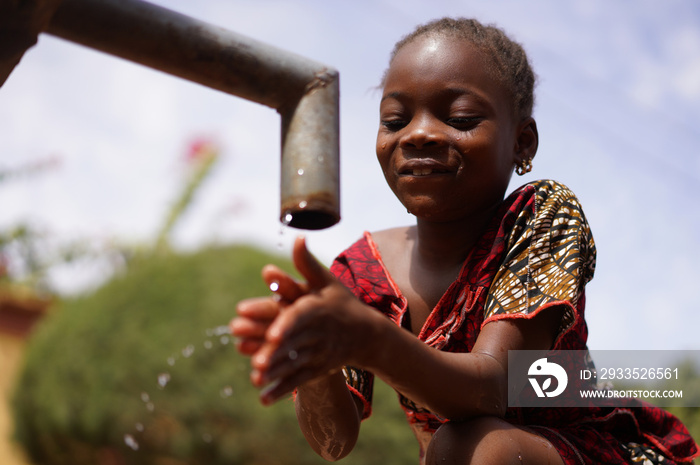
x: 392, y: 239
x: 545, y: 188
x: 392, y: 246
x: 539, y: 201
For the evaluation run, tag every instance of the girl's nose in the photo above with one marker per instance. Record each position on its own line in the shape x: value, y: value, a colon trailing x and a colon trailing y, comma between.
x: 422, y: 132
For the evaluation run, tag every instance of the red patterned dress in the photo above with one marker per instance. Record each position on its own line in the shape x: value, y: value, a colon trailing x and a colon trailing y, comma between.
x: 537, y: 252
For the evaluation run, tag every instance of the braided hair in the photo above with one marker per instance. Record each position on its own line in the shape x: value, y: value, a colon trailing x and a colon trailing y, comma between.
x: 510, y: 64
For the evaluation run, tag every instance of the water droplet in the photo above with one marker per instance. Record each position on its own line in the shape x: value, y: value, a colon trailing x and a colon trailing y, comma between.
x: 150, y: 407
x: 163, y: 379
x: 139, y: 427
x: 206, y: 437
x: 187, y: 351
x: 280, y: 245
x: 303, y: 204
x: 226, y: 392
x: 131, y: 442
x: 219, y: 330
x: 224, y: 340
x: 300, y: 171
x: 285, y: 220
x: 274, y: 286
x: 171, y: 361
x: 145, y: 397
x: 207, y: 345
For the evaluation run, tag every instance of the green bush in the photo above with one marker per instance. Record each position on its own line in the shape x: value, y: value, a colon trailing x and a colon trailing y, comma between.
x: 142, y: 372
x: 687, y: 409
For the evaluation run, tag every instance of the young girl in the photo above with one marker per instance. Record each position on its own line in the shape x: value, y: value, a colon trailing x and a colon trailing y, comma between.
x: 433, y: 309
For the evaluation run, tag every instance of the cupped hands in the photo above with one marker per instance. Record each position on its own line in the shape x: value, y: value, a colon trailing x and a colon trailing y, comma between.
x: 305, y: 332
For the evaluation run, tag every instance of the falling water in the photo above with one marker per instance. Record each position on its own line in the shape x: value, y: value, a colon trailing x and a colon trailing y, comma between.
x: 163, y: 379
x: 286, y: 219
x: 131, y: 442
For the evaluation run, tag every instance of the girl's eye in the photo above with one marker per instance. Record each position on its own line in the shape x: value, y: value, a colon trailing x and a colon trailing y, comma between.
x: 464, y: 123
x: 393, y: 124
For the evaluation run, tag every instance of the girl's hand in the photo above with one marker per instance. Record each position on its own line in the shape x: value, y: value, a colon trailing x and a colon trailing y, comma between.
x: 318, y: 327
x: 254, y: 316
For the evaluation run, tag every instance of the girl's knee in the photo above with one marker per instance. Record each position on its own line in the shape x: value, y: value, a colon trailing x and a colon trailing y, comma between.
x: 483, y: 440
x: 489, y: 440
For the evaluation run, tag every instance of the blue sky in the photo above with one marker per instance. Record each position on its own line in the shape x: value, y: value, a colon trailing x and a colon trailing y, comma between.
x: 618, y: 111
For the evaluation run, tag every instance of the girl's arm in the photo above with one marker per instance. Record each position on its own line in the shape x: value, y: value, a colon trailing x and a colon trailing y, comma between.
x: 328, y: 414
x: 326, y: 328
x: 460, y: 385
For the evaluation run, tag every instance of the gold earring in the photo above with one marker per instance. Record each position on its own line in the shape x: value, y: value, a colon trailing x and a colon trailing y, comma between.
x: 525, y: 166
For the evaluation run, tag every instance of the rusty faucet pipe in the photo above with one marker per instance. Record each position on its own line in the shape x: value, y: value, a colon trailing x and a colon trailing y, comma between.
x: 304, y: 92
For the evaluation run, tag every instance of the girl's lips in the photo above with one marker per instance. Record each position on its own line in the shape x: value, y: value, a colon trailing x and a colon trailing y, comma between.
x: 422, y: 172
x: 423, y: 167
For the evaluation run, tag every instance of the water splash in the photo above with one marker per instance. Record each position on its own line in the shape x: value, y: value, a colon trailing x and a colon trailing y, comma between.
x: 163, y: 380
x: 286, y: 220
x: 218, y: 331
x: 131, y: 442
x: 146, y: 399
x: 188, y: 351
x: 223, y: 333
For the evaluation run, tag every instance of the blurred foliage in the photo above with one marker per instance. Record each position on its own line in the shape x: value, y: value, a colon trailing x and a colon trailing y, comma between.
x: 687, y: 410
x: 29, y: 254
x: 201, y: 158
x: 90, y: 388
x: 24, y: 258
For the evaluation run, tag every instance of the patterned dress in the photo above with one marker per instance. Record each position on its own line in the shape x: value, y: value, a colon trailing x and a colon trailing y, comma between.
x: 537, y: 252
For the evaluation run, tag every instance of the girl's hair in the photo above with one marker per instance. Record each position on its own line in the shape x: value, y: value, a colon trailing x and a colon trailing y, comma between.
x: 510, y: 62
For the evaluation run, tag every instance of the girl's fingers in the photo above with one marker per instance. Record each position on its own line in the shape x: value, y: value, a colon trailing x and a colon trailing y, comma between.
x: 249, y: 328
x: 284, y: 361
x: 310, y: 268
x: 249, y: 346
x: 252, y: 322
x: 295, y: 374
x: 285, y: 385
x: 259, y: 308
x: 282, y: 284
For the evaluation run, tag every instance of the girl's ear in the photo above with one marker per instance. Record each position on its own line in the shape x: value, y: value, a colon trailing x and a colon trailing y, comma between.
x: 526, y: 141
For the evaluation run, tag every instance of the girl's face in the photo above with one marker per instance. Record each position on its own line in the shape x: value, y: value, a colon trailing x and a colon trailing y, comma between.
x: 447, y: 141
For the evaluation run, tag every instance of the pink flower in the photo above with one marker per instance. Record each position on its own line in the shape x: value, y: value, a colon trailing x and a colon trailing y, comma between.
x: 201, y: 148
